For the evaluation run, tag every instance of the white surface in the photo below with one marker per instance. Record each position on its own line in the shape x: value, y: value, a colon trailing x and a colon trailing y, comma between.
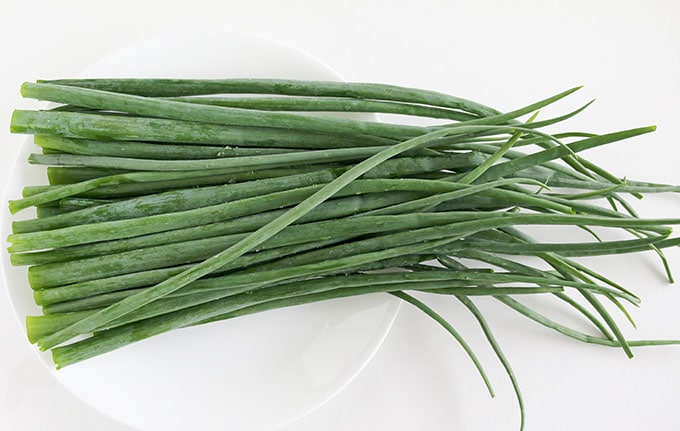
x: 501, y: 53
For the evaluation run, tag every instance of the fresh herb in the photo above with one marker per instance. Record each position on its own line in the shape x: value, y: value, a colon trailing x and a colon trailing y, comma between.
x: 174, y: 203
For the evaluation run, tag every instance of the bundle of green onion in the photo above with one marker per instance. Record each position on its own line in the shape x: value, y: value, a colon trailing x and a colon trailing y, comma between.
x: 181, y: 202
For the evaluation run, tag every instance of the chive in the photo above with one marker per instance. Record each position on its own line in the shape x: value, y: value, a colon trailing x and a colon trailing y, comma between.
x: 38, y: 326
x: 561, y: 151
x: 188, y: 87
x: 129, y: 304
x: 167, y: 209
x: 92, y: 126
x: 127, y: 227
x: 215, y: 262
x: 54, y: 274
x: 543, y: 320
x: 220, y: 115
x: 499, y: 353
x: 145, y: 150
x: 266, y: 160
x: 98, y: 293
x: 335, y: 208
x: 330, y: 104
x: 192, y: 198
x: 62, y: 273
x: 189, y: 316
x: 519, y: 268
x: 451, y: 330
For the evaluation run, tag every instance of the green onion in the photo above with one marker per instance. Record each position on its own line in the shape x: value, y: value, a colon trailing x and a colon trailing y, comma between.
x: 189, y: 87
x: 180, y: 202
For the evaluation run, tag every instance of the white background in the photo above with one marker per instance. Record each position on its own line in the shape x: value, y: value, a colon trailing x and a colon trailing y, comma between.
x: 505, y: 54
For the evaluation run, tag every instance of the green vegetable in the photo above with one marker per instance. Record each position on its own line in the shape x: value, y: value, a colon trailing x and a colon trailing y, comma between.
x: 134, y: 128
x: 190, y: 87
x: 174, y: 203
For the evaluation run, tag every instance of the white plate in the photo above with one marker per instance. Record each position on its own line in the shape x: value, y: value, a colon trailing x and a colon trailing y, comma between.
x: 256, y: 372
